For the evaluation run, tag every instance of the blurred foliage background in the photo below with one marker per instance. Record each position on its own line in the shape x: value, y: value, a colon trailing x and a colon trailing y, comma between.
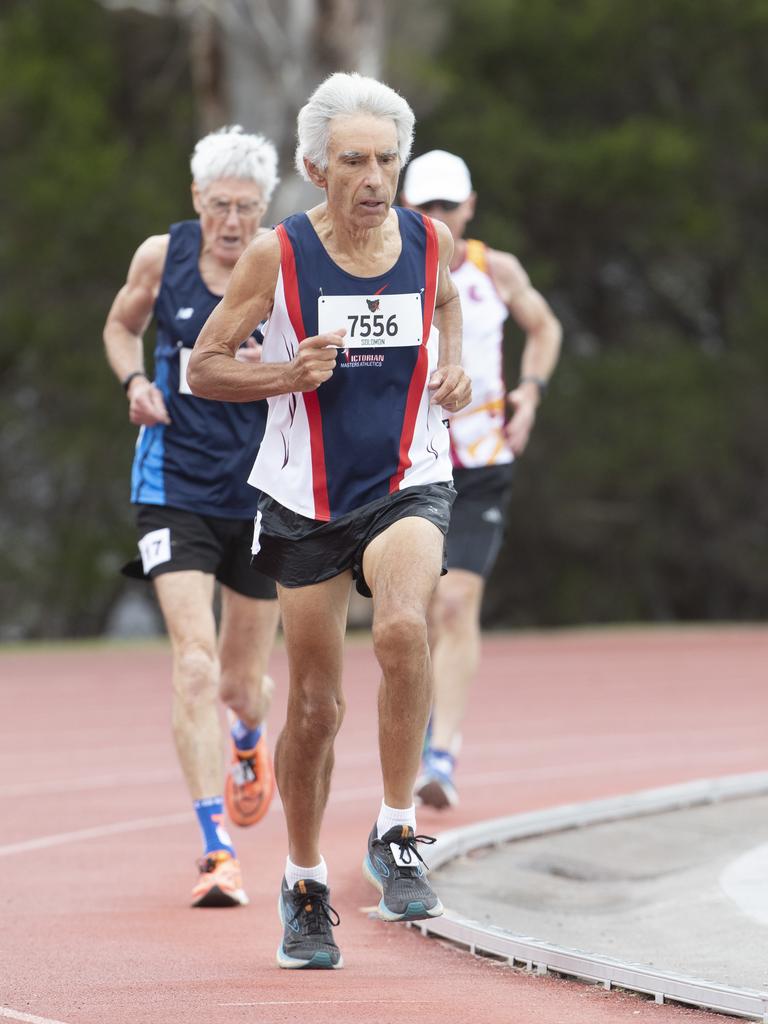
x: 618, y: 149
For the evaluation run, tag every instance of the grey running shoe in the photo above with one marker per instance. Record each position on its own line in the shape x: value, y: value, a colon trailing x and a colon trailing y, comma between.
x: 397, y: 869
x: 307, y: 919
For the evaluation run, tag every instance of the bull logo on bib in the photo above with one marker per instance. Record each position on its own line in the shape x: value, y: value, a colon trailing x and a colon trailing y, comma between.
x: 373, y: 304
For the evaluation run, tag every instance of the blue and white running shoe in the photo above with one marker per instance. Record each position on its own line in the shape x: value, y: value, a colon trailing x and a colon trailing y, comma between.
x: 434, y: 786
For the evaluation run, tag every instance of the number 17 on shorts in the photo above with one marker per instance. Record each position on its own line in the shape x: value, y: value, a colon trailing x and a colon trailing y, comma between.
x: 155, y: 548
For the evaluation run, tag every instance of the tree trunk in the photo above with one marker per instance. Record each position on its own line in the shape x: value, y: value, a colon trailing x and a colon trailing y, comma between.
x: 255, y: 63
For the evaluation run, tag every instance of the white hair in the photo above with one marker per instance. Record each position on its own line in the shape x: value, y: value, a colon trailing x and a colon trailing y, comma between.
x: 347, y: 94
x: 231, y: 153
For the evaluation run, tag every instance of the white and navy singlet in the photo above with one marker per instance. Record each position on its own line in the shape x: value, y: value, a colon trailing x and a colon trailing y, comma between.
x: 369, y: 430
x: 477, y: 431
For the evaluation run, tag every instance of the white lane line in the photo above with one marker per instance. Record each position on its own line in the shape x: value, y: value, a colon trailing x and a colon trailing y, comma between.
x: 328, y: 1002
x: 557, y: 743
x: 475, y: 780
x: 163, y: 821
x: 87, y: 782
x: 371, y: 758
x: 61, y: 838
x: 26, y: 1018
x: 353, y: 794
x: 468, y: 779
x: 743, y: 881
x: 612, y: 766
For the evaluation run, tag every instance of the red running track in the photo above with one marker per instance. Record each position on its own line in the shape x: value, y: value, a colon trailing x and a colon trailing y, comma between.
x: 97, y: 842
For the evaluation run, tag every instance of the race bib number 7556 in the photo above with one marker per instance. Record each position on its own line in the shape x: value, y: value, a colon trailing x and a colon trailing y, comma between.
x: 378, y: 321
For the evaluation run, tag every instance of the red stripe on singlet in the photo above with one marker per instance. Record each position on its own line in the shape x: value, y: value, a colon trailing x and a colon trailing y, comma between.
x: 311, y: 401
x: 419, y: 377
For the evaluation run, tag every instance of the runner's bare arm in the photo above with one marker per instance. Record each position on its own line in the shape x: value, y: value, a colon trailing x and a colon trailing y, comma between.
x: 450, y: 385
x: 215, y: 372
x: 532, y: 313
x: 124, y: 329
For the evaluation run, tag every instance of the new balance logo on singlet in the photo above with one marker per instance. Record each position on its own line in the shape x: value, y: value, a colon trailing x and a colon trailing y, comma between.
x: 493, y: 515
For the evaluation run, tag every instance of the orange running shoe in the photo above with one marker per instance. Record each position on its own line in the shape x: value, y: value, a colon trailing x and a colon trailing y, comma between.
x: 250, y: 784
x: 220, y: 883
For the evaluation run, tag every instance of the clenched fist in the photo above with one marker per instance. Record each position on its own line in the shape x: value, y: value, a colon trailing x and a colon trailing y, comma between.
x: 315, y: 361
x: 451, y: 388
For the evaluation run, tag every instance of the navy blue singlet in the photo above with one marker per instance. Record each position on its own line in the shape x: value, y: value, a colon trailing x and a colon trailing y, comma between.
x: 370, y: 429
x: 199, y: 462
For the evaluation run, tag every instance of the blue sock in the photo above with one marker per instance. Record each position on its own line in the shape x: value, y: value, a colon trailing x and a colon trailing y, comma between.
x: 210, y: 815
x: 244, y: 737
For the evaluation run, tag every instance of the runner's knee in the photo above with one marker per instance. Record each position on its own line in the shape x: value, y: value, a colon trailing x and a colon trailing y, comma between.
x: 315, y: 717
x: 237, y: 686
x: 399, y: 635
x: 456, y: 606
x: 196, y: 673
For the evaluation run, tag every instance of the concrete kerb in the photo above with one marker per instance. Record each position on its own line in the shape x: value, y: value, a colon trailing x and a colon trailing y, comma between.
x: 540, y: 956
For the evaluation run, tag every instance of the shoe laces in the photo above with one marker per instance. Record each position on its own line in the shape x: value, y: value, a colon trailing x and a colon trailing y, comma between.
x: 409, y: 853
x: 244, y: 771
x: 315, y: 910
x: 207, y: 864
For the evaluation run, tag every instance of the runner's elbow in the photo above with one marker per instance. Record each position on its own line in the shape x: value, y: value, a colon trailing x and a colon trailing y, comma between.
x: 199, y: 376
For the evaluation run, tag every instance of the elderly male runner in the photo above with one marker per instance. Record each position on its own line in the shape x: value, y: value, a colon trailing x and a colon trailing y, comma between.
x: 354, y: 471
x: 492, y: 286
x: 194, y: 509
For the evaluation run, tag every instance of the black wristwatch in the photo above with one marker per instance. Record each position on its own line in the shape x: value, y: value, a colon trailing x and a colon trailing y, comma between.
x: 540, y: 383
x: 127, y: 380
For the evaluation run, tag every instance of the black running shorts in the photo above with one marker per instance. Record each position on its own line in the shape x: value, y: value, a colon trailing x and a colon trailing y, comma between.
x: 174, y: 540
x: 297, y: 551
x: 477, y: 520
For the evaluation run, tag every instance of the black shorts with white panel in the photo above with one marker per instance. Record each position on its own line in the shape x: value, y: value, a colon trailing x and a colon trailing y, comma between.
x: 477, y: 519
x: 175, y: 540
x: 298, y: 552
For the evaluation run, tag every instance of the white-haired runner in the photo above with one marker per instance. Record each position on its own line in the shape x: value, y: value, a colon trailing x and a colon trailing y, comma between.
x: 354, y: 472
x: 493, y: 286
x: 194, y: 509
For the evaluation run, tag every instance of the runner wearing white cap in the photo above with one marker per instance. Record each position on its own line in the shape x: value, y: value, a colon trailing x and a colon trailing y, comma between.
x: 484, y: 442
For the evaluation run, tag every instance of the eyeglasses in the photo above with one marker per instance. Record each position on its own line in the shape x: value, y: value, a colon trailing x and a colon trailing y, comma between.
x: 446, y: 205
x: 243, y: 207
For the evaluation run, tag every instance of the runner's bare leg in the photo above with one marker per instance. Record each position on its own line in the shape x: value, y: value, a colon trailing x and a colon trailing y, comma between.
x: 402, y: 566
x: 314, y: 623
x: 246, y: 637
x: 186, y: 601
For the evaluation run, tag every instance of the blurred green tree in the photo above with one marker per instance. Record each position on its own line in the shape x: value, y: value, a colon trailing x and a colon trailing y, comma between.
x: 619, y: 149
x: 94, y: 136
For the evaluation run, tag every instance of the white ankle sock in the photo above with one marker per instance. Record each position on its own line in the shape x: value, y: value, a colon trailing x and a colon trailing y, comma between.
x: 391, y: 816
x: 294, y: 873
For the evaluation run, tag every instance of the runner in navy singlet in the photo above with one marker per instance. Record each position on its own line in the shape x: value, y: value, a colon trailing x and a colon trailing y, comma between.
x: 362, y: 366
x: 493, y: 286
x: 194, y: 508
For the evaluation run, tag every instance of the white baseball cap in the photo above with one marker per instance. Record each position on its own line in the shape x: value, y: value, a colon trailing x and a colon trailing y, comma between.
x: 437, y: 175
